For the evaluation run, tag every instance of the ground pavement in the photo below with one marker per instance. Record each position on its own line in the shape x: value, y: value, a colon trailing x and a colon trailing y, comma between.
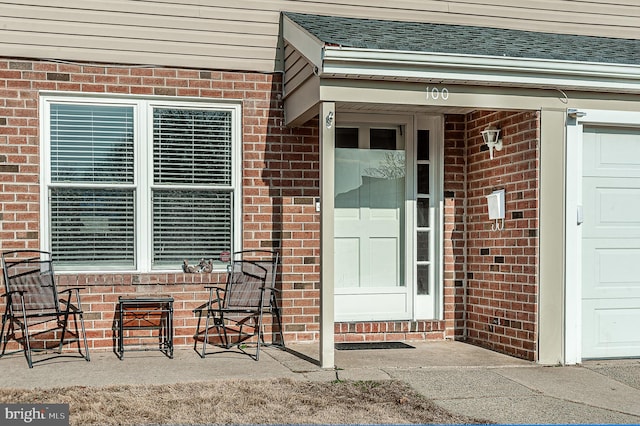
x: 459, y: 377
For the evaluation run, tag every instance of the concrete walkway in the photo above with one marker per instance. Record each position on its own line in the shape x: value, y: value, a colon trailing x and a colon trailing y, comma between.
x: 461, y: 378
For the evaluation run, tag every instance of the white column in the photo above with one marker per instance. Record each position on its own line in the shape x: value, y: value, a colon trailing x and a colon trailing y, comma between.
x: 573, y: 241
x: 327, y: 175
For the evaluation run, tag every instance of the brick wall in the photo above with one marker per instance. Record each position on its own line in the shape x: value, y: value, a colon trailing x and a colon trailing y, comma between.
x: 502, y: 265
x: 280, y: 181
x: 388, y: 331
x: 493, y: 294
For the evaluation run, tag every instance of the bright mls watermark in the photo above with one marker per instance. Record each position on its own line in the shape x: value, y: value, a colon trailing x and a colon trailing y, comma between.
x: 34, y: 414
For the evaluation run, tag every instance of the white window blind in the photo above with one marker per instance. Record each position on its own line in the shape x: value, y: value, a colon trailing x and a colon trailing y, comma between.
x: 190, y: 225
x: 93, y: 227
x: 92, y: 145
x: 192, y: 152
x: 191, y: 147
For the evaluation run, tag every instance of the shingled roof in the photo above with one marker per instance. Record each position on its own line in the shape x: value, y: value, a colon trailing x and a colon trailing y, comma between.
x: 466, y: 40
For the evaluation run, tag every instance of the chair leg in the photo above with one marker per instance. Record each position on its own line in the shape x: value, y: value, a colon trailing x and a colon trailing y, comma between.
x: 195, y: 338
x: 84, y: 335
x: 280, y: 333
x: 280, y: 328
x: 258, y: 342
x: 224, y: 337
x: 259, y: 330
x: 75, y: 320
x: 63, y: 325
x: 206, y: 335
x: 4, y: 338
x: 275, y: 314
x: 27, y: 342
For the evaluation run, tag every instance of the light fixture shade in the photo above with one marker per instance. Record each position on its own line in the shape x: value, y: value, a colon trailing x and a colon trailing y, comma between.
x: 490, y: 135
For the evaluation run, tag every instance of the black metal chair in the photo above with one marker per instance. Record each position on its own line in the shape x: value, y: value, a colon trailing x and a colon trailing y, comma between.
x: 236, y: 309
x: 35, y: 313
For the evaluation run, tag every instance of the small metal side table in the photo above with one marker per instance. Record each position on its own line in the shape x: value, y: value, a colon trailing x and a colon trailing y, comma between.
x: 145, y: 313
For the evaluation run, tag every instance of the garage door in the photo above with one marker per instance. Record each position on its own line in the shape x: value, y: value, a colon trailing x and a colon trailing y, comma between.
x: 611, y: 243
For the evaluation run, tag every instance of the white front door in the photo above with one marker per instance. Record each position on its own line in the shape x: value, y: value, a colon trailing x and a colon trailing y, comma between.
x: 370, y: 222
x: 610, y: 241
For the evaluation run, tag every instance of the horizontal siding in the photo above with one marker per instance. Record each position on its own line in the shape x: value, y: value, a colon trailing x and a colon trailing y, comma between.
x: 243, y: 35
x: 297, y: 70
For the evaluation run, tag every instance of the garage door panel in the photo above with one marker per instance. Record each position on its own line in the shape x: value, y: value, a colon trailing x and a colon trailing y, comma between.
x: 611, y: 207
x: 611, y: 152
x: 611, y: 243
x: 611, y: 328
x: 610, y: 270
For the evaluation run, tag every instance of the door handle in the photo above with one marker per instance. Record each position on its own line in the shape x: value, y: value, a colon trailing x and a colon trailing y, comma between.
x: 579, y: 216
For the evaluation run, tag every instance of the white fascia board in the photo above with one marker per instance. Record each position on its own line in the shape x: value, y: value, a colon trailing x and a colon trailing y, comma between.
x: 442, y: 67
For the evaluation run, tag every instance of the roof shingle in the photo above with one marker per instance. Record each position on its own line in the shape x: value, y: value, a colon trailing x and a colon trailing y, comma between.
x: 466, y: 40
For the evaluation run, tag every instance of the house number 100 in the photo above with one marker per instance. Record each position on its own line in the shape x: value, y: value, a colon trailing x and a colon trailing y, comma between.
x: 435, y: 93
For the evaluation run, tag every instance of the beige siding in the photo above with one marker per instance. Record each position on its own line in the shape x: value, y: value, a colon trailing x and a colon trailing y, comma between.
x: 243, y: 34
x: 297, y: 69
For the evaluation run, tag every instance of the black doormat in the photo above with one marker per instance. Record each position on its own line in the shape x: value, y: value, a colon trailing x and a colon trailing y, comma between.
x: 372, y: 345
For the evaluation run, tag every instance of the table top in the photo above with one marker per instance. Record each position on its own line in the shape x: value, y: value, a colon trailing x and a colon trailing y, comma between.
x: 145, y: 298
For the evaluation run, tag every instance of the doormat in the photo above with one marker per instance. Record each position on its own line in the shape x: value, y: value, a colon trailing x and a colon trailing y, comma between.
x: 372, y: 345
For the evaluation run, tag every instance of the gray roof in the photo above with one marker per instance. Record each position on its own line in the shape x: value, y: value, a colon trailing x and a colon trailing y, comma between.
x: 468, y: 40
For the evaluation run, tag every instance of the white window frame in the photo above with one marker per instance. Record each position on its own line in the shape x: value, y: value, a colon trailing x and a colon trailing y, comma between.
x: 143, y: 164
x: 430, y: 307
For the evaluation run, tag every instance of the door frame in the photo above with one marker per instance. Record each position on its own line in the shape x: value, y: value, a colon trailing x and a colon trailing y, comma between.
x: 576, y: 120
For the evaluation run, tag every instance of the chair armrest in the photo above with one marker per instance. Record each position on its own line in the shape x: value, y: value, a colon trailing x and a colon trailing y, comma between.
x: 212, y: 300
x: 75, y: 307
x: 218, y: 289
x: 200, y: 308
x: 20, y: 292
x: 70, y: 289
x: 207, y: 306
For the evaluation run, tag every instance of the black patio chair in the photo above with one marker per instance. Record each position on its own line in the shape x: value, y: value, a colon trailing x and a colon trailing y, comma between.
x: 236, y: 309
x: 35, y: 313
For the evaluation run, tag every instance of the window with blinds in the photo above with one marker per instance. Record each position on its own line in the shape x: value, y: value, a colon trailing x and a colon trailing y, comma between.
x: 192, y: 204
x: 134, y: 185
x: 91, y: 197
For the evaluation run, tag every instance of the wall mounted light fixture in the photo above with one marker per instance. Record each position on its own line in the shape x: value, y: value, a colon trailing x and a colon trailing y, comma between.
x: 328, y: 121
x: 575, y: 113
x: 491, y: 137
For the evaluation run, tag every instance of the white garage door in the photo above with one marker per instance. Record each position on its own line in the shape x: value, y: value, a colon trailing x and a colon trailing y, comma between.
x: 611, y: 243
